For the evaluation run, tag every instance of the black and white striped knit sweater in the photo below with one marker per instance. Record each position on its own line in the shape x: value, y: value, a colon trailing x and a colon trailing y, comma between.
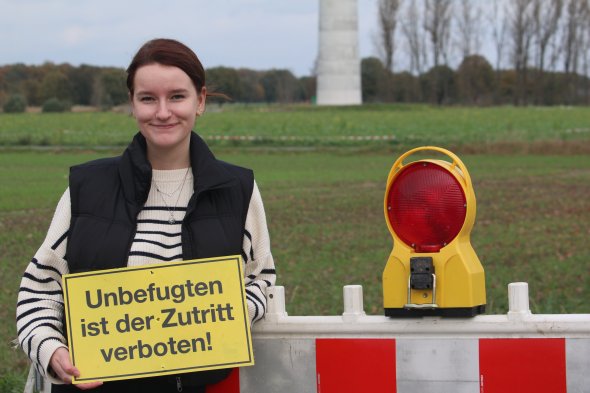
x: 40, y: 301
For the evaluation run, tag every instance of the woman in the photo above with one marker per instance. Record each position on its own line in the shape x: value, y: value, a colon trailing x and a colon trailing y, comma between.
x: 166, y: 198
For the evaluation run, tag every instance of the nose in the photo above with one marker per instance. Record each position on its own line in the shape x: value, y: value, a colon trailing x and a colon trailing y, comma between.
x: 163, y: 112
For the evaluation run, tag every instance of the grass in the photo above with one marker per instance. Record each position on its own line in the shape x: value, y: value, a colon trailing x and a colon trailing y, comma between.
x: 405, y: 125
x: 324, y: 208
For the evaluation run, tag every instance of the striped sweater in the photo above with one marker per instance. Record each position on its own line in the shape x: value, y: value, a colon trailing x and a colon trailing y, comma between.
x: 40, y: 304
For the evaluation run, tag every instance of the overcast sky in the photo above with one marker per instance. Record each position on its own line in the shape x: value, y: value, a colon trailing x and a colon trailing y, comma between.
x: 257, y: 34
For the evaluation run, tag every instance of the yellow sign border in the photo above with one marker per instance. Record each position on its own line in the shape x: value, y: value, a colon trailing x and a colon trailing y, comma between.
x: 67, y: 279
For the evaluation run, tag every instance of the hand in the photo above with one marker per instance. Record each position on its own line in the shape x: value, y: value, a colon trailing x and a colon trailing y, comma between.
x: 63, y: 367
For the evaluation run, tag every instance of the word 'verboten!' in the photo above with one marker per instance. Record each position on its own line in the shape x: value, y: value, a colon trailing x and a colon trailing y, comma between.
x: 142, y: 350
x: 177, y: 293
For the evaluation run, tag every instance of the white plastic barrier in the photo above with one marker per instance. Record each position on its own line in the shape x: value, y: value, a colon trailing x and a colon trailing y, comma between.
x: 517, y: 352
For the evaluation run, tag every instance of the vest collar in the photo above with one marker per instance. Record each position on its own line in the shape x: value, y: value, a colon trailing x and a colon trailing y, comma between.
x: 136, y: 171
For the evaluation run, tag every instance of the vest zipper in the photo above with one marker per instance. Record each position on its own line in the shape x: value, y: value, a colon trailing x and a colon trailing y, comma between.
x: 179, y: 384
x: 185, y: 231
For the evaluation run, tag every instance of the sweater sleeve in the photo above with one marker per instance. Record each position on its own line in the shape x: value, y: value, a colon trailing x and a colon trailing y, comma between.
x: 259, y: 268
x: 40, y: 307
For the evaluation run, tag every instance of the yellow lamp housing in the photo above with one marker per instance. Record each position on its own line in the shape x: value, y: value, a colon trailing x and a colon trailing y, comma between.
x: 429, y: 208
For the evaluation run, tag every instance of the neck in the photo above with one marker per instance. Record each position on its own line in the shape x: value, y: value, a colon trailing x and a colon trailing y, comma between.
x: 166, y: 159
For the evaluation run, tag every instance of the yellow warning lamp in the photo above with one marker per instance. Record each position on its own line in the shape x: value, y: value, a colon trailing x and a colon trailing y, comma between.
x: 432, y: 270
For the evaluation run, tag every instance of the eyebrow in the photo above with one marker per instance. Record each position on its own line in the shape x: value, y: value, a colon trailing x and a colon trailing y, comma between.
x: 176, y: 91
x: 148, y: 92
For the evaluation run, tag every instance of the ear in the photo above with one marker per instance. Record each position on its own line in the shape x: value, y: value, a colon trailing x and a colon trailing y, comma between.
x: 201, y: 99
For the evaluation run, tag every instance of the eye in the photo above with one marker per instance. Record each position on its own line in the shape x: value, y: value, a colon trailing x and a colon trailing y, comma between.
x: 177, y: 97
x: 146, y: 99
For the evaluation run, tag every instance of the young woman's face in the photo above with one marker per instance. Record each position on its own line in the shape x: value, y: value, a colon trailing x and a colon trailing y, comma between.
x: 165, y: 105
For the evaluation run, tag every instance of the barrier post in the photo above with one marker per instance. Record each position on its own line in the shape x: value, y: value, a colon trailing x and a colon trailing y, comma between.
x: 518, y: 300
x: 275, y: 307
x: 353, y: 303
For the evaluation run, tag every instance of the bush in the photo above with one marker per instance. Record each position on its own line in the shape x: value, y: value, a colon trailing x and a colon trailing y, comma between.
x: 15, y: 104
x: 55, y: 105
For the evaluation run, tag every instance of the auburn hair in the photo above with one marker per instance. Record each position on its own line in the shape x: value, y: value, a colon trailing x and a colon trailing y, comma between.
x: 173, y: 53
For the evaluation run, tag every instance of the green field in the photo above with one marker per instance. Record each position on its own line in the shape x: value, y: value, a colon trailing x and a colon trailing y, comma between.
x: 404, y: 125
x: 324, y: 200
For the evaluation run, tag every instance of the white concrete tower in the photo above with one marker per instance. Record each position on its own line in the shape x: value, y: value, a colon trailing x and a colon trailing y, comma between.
x: 338, y: 66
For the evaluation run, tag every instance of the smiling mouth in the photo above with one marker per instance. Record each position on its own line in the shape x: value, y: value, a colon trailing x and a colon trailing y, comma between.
x: 164, y: 126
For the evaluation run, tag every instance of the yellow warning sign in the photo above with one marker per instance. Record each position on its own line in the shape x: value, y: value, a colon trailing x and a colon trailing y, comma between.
x: 158, y: 319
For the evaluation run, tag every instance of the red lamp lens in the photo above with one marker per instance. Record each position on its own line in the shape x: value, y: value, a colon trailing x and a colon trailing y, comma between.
x: 426, y: 206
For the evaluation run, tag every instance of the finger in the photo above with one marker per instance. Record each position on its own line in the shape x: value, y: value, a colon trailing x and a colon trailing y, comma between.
x: 89, y: 385
x: 70, y: 369
x: 62, y: 374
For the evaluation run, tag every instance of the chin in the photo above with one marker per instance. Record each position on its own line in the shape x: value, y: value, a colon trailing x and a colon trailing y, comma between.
x: 166, y: 139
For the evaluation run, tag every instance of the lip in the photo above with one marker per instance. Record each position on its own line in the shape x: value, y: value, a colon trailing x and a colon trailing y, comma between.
x: 164, y: 126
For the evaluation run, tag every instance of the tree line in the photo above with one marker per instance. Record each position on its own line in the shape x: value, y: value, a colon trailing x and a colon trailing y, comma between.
x: 57, y: 87
x: 474, y: 82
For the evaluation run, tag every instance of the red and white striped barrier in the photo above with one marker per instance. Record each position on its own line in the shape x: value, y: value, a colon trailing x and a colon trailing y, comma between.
x: 517, y: 352
x: 330, y: 365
